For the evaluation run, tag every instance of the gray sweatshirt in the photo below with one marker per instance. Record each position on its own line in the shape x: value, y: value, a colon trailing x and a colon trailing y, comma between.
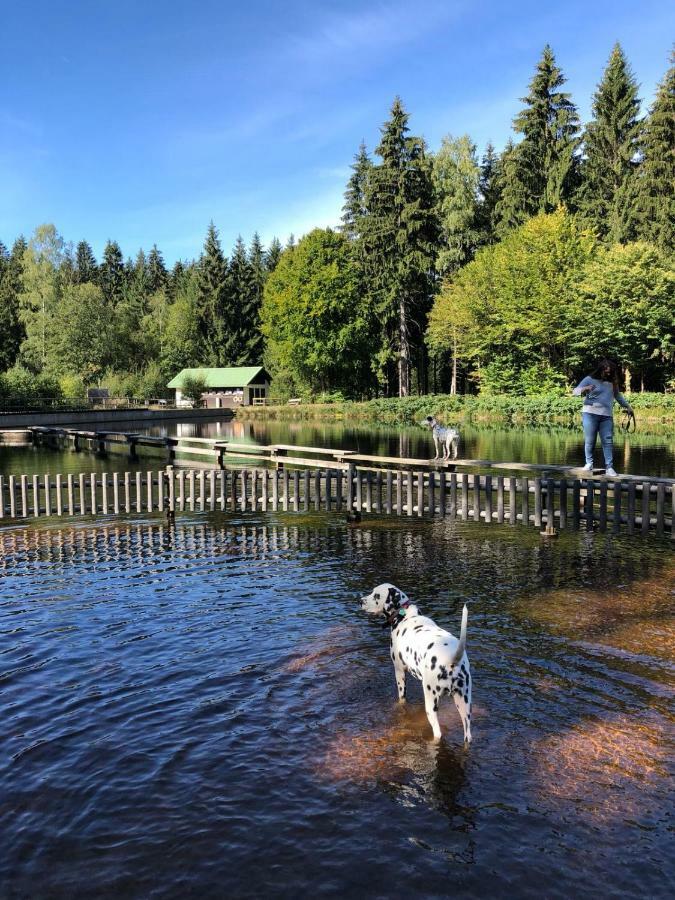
x: 601, y: 399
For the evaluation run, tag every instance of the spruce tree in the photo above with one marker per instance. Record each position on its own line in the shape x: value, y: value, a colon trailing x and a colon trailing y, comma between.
x: 611, y: 149
x: 241, y: 315
x: 655, y: 189
x: 86, y: 267
x: 489, y: 192
x: 256, y: 258
x: 210, y: 299
x: 112, y: 274
x: 354, y: 209
x: 11, y: 328
x: 540, y: 171
x: 272, y: 255
x: 400, y: 232
x: 158, y: 276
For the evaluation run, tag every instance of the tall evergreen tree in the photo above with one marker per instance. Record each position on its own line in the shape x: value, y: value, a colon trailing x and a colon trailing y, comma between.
x: 272, y: 255
x: 489, y: 192
x: 210, y: 300
x: 112, y: 275
x: 354, y: 209
x: 540, y: 171
x: 655, y: 189
x: 86, y: 267
x: 241, y: 314
x: 611, y: 149
x: 158, y: 276
x: 256, y: 258
x: 11, y: 328
x: 400, y: 233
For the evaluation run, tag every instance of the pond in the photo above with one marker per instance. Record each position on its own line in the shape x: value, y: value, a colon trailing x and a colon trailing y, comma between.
x: 204, y: 711
x: 639, y: 453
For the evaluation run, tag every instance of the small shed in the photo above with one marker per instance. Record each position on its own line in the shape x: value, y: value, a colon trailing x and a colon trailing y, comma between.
x: 226, y: 388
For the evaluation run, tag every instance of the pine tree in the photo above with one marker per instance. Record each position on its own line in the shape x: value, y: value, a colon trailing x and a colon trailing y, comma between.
x: 176, y: 278
x: 611, y: 148
x: 489, y: 192
x: 655, y: 188
x: 112, y: 274
x: 399, y: 234
x: 240, y: 309
x: 540, y: 171
x: 11, y: 328
x: 158, y: 277
x: 86, y: 267
x: 210, y: 300
x: 272, y: 255
x: 354, y: 208
x: 256, y: 258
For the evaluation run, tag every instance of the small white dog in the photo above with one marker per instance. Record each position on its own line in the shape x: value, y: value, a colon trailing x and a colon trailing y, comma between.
x: 445, y: 438
x: 432, y: 655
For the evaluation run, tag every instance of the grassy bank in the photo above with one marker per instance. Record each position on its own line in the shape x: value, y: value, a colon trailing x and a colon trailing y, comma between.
x: 656, y: 410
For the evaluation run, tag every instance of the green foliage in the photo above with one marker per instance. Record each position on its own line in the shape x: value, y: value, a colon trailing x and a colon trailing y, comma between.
x: 193, y: 386
x: 84, y: 328
x: 41, y: 288
x: 611, y: 145
x: 21, y: 386
x: 399, y: 235
x: 539, y: 173
x: 11, y: 327
x: 211, y: 299
x: 456, y: 177
x: 508, y: 309
x: 655, y: 186
x: 317, y: 336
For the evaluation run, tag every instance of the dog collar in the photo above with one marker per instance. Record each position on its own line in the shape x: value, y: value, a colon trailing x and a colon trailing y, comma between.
x: 394, y: 618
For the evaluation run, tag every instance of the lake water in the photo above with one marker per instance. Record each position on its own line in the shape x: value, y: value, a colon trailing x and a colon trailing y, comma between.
x: 639, y: 453
x: 203, y: 711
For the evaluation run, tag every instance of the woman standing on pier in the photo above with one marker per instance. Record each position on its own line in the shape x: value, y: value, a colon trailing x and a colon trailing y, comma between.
x: 600, y: 390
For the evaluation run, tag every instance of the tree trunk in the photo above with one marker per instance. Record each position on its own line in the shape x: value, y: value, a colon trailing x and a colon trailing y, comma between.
x: 453, y: 384
x: 404, y: 351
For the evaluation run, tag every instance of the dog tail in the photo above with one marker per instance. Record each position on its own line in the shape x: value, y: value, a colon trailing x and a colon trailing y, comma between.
x: 461, y: 647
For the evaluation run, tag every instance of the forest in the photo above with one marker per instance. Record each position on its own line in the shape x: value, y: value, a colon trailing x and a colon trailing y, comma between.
x: 504, y: 273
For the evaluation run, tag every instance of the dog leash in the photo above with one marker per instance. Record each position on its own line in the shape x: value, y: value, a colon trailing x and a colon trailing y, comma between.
x: 628, y: 419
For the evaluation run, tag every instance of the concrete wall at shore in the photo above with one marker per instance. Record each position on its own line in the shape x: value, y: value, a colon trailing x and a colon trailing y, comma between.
x: 108, y: 416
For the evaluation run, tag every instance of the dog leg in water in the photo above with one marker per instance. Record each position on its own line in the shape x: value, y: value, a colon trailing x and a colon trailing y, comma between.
x: 399, y: 672
x: 431, y: 706
x: 464, y: 709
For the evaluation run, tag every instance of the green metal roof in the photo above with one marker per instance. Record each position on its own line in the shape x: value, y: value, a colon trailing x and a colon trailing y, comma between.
x: 234, y: 377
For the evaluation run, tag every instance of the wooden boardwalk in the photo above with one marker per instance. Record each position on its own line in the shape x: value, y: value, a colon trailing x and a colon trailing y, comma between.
x: 547, y: 502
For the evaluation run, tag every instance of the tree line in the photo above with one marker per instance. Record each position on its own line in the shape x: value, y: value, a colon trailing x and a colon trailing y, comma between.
x: 449, y: 272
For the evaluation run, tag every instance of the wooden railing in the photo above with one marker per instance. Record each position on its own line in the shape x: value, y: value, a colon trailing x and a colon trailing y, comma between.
x: 547, y: 503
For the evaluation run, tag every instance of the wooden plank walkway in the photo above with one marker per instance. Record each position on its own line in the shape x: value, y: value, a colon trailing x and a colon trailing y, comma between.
x: 638, y: 506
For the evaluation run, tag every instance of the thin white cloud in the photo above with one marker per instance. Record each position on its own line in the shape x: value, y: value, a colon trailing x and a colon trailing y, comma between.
x: 375, y: 30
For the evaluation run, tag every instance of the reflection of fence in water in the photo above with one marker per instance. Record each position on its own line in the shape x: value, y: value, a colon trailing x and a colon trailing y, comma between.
x: 642, y: 506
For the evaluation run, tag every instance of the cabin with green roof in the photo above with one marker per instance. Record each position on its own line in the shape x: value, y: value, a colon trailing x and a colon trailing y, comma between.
x: 226, y: 388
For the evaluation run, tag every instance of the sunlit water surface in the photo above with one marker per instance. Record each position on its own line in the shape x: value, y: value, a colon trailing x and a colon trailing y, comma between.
x: 204, y: 711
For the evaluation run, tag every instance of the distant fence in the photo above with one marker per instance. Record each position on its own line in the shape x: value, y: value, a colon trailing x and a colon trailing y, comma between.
x: 546, y: 503
x: 10, y: 406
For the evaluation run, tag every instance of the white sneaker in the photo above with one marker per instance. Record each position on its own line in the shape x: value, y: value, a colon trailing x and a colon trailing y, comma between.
x: 587, y: 468
x: 610, y: 473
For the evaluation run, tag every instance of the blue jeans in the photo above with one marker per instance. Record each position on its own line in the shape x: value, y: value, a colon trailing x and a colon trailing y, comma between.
x: 593, y: 424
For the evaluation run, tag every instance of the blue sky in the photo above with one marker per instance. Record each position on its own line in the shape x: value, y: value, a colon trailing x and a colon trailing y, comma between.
x: 142, y: 121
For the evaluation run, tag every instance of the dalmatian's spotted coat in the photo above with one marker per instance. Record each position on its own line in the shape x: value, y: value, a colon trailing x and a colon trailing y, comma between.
x: 445, y: 439
x: 430, y: 654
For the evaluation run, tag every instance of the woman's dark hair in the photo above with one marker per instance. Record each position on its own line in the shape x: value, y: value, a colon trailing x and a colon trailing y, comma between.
x: 606, y: 363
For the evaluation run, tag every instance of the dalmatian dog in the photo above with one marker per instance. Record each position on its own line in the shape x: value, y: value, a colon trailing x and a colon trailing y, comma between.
x: 445, y: 438
x: 429, y: 653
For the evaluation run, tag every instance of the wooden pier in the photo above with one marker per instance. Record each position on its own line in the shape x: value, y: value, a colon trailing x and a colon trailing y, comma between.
x: 549, y: 503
